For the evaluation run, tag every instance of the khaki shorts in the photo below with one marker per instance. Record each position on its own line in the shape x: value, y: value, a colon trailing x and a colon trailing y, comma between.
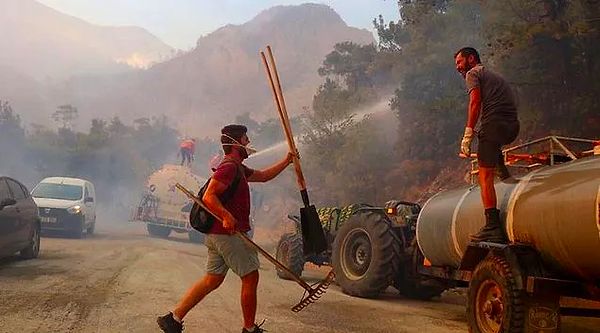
x: 225, y: 252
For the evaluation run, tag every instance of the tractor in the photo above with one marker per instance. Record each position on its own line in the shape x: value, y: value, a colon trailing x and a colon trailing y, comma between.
x: 370, y: 249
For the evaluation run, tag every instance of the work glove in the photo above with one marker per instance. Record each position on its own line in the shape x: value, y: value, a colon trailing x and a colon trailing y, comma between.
x: 465, y: 144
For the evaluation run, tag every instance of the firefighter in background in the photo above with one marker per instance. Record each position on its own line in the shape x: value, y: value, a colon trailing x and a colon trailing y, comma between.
x: 187, y: 148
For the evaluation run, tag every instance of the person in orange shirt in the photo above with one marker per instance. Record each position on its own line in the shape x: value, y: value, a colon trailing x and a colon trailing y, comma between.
x: 187, y: 148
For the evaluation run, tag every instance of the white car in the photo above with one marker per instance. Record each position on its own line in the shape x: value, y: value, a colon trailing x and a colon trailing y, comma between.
x: 67, y: 204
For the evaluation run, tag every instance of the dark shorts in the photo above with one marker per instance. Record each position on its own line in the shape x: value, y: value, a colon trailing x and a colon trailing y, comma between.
x: 492, y: 137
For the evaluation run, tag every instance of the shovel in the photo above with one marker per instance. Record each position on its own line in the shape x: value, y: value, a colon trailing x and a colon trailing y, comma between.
x: 313, y: 237
x: 312, y: 292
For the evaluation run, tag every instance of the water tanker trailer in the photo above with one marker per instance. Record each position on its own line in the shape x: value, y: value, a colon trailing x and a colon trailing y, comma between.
x: 552, y: 219
x: 552, y: 222
x: 163, y: 208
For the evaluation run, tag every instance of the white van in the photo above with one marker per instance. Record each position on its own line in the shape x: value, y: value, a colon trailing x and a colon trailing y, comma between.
x: 67, y: 204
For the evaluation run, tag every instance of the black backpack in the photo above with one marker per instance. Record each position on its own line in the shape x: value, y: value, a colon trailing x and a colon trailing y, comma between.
x: 202, y: 220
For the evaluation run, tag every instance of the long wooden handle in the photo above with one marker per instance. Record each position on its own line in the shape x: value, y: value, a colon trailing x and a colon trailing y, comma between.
x: 285, y: 120
x: 289, y: 138
x: 279, y: 92
x: 245, y: 238
x: 274, y: 261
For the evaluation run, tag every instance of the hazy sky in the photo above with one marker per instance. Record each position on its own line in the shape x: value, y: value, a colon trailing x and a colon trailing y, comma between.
x: 179, y: 23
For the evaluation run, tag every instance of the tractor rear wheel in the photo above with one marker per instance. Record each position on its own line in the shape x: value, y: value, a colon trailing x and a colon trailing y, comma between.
x: 291, y: 255
x: 365, y: 255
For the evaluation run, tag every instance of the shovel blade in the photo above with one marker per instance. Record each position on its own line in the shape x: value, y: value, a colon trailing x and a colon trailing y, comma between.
x: 313, y: 236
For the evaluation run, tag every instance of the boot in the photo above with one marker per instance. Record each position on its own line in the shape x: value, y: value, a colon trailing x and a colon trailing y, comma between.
x: 492, y: 230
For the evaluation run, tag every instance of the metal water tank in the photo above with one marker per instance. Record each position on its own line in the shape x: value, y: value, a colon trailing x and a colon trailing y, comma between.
x: 162, y: 185
x: 555, y: 209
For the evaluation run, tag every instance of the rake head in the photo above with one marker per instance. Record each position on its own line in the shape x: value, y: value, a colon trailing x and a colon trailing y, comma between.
x: 312, y: 295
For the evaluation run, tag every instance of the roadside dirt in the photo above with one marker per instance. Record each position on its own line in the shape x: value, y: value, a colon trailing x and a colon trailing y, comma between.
x: 120, y: 279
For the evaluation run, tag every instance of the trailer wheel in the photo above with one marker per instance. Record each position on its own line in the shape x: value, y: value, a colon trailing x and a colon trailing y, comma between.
x: 158, y: 230
x: 290, y: 254
x: 365, y: 255
x: 494, y: 304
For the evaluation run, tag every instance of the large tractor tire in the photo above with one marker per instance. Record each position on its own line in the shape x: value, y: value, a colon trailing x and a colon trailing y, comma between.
x: 494, y: 303
x: 158, y: 230
x: 366, y: 256
x: 290, y: 254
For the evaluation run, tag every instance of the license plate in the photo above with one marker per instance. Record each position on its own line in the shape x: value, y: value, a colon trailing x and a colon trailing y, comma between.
x: 47, y: 219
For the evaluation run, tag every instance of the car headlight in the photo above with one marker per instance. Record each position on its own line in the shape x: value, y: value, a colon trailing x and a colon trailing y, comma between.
x: 74, y: 210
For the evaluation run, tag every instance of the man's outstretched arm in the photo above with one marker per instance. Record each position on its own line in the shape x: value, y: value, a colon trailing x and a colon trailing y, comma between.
x: 261, y: 176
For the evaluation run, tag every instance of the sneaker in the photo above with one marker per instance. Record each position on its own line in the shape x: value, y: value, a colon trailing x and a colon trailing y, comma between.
x: 168, y: 324
x: 257, y: 329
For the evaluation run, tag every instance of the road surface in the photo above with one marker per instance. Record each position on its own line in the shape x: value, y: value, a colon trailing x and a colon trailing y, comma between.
x: 119, y: 280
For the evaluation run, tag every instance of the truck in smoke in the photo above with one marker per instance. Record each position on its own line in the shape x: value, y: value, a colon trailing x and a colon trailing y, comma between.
x: 163, y: 208
x: 553, y: 224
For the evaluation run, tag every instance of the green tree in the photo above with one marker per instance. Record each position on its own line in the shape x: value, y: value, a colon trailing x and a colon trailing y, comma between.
x: 117, y: 129
x: 10, y: 123
x: 65, y: 115
x: 352, y: 62
x: 99, y: 134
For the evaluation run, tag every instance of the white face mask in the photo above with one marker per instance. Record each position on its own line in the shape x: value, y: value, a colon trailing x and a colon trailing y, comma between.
x: 248, y: 148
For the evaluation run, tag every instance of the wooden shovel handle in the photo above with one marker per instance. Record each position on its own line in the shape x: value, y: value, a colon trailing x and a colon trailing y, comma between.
x: 279, y: 92
x: 288, y: 136
x: 282, y: 110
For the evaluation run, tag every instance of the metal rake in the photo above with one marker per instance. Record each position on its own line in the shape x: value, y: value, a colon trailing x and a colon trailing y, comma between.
x: 311, y: 293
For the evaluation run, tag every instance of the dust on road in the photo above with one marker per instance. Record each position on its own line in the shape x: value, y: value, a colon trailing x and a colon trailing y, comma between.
x: 120, y: 279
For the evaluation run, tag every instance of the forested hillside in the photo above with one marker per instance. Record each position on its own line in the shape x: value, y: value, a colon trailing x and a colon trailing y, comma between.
x: 548, y: 51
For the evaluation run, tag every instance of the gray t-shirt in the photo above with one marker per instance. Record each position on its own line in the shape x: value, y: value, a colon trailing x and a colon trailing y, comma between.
x: 497, y: 99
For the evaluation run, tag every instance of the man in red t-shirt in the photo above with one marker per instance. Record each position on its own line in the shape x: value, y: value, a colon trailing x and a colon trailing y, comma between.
x: 225, y: 250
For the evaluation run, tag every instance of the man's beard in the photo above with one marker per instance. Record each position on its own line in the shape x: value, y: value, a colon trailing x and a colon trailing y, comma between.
x: 243, y: 152
x: 468, y: 67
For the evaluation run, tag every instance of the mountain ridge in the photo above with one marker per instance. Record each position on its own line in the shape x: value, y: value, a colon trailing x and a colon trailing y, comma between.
x: 220, y: 78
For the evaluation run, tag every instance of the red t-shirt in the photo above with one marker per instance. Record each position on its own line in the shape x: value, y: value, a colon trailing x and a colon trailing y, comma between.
x: 239, y: 203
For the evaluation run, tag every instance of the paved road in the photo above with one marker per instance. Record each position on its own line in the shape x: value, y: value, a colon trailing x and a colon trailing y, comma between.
x: 120, y: 279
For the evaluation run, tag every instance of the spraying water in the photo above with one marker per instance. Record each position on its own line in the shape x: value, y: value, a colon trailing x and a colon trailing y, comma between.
x: 276, y: 147
x: 380, y: 107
